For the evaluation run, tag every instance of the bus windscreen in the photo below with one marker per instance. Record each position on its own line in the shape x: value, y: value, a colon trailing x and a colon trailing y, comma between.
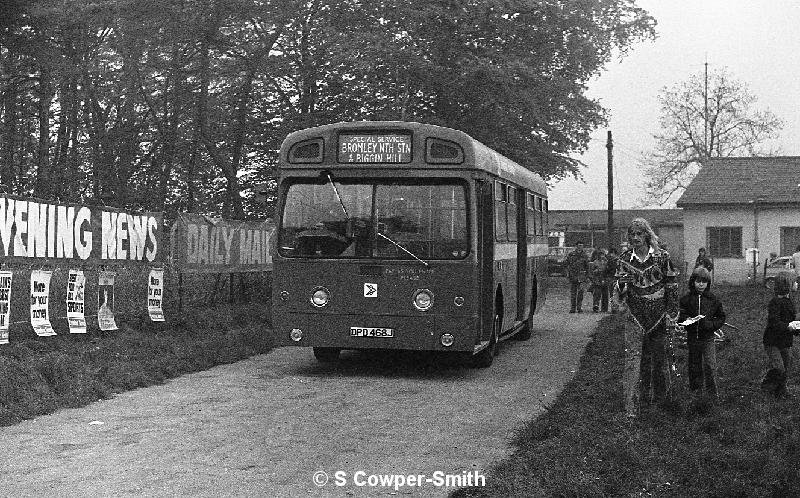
x: 374, y: 220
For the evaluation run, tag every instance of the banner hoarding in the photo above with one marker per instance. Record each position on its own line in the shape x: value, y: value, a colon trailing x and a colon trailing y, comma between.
x: 205, y: 245
x: 53, y: 232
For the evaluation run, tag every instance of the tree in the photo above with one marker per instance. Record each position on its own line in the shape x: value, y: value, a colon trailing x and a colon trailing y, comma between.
x: 511, y: 73
x: 690, y: 134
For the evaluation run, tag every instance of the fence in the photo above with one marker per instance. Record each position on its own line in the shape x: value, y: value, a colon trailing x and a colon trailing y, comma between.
x: 183, y: 292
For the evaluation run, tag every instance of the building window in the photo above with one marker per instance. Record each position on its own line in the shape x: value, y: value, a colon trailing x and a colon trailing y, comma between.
x: 790, y: 239
x: 724, y: 242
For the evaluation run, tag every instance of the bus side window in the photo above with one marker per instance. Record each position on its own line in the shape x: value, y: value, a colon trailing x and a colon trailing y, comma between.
x: 530, y: 214
x: 500, y: 227
x: 546, y: 211
x: 511, y: 214
x: 540, y: 212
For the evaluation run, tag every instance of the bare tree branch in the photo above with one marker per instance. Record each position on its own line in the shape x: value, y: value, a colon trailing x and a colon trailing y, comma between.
x: 690, y: 134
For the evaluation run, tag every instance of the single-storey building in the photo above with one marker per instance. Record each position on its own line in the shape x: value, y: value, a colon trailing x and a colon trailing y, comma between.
x: 742, y: 209
x: 571, y: 225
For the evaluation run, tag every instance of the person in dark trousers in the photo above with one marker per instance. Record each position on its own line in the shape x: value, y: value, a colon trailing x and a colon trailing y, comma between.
x: 703, y: 260
x: 577, y: 273
x: 648, y: 297
x: 597, y: 275
x: 702, y: 361
x: 611, y: 270
x: 779, y: 336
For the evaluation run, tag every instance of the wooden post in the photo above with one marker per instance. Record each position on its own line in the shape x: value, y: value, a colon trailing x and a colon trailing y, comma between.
x: 610, y: 223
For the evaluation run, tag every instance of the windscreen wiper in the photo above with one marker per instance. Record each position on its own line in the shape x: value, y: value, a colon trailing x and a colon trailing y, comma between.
x: 336, y: 190
x: 402, y: 248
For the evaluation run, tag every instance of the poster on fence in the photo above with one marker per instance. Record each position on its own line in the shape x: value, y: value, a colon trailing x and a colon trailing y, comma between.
x: 5, y: 304
x: 105, y: 301
x: 76, y: 286
x: 40, y: 294
x: 155, y: 293
x: 206, y: 245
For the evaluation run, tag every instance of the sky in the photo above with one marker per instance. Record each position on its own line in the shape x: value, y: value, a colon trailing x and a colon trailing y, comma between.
x: 757, y: 41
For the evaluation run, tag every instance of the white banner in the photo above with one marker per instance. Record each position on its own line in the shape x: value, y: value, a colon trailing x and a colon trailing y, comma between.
x: 5, y: 304
x: 105, y: 301
x: 155, y: 294
x: 76, y: 286
x: 40, y: 293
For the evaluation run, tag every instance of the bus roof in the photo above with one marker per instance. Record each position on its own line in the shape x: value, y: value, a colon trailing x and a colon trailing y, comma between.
x: 477, y: 155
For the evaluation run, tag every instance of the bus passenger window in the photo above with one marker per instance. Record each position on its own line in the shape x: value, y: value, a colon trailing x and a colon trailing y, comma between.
x: 500, y: 226
x: 530, y: 214
x: 540, y: 203
x: 511, y: 214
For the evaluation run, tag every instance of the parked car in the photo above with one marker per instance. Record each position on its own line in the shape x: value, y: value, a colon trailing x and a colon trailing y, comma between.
x: 777, y: 265
x: 556, y: 260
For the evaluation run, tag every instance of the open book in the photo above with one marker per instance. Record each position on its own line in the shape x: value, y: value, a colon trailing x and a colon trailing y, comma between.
x: 692, y: 320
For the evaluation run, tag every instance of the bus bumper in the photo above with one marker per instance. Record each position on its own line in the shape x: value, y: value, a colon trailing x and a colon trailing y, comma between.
x: 419, y: 333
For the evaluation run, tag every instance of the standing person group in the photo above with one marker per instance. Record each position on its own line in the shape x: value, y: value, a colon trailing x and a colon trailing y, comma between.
x: 598, y: 270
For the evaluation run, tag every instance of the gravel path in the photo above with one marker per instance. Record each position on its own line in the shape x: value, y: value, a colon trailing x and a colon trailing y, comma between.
x: 264, y: 426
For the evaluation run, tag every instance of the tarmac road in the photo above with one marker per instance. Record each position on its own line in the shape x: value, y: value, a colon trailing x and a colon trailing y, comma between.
x: 268, y: 426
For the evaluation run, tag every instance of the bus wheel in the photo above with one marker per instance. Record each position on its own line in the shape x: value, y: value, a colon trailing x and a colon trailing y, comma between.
x: 485, y: 358
x: 327, y: 355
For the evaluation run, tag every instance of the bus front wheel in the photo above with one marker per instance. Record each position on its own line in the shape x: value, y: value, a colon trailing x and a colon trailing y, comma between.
x: 485, y: 358
x: 326, y: 355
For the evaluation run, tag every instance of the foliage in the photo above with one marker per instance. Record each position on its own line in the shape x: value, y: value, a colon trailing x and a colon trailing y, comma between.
x: 583, y: 445
x: 730, y: 127
x: 181, y: 105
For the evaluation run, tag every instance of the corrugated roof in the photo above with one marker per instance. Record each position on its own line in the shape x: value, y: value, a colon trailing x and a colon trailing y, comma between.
x: 741, y: 180
x: 622, y: 217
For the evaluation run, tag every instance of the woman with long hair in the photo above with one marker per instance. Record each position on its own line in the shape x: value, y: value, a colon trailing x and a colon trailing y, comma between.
x: 648, y: 295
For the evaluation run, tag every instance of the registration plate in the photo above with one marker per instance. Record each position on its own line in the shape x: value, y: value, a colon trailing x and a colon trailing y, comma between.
x: 371, y: 332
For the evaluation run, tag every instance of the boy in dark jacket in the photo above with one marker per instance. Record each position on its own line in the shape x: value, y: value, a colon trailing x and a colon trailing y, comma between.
x: 779, y: 335
x: 702, y: 362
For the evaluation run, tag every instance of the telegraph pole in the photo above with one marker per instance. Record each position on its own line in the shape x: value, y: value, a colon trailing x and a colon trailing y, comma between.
x: 705, y: 115
x: 610, y: 224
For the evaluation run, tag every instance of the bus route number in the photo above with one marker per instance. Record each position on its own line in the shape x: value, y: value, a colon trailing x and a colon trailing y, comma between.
x: 371, y: 332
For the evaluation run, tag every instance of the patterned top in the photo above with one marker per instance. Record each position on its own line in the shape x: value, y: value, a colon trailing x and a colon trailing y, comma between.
x: 648, y: 286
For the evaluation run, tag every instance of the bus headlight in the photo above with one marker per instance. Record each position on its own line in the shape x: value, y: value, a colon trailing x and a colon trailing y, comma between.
x: 447, y: 340
x: 320, y: 297
x: 423, y: 299
x: 296, y: 334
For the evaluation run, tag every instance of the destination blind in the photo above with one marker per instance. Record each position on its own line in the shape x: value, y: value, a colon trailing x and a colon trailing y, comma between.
x: 374, y: 148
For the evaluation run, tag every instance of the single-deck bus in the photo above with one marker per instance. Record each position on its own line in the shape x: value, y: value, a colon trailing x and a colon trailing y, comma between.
x: 400, y: 235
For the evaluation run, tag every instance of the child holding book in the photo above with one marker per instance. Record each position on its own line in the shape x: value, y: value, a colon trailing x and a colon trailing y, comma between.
x: 779, y: 336
x: 701, y: 314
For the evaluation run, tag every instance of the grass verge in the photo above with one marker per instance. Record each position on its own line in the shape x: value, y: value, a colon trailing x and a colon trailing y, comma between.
x: 748, y: 444
x: 41, y: 375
